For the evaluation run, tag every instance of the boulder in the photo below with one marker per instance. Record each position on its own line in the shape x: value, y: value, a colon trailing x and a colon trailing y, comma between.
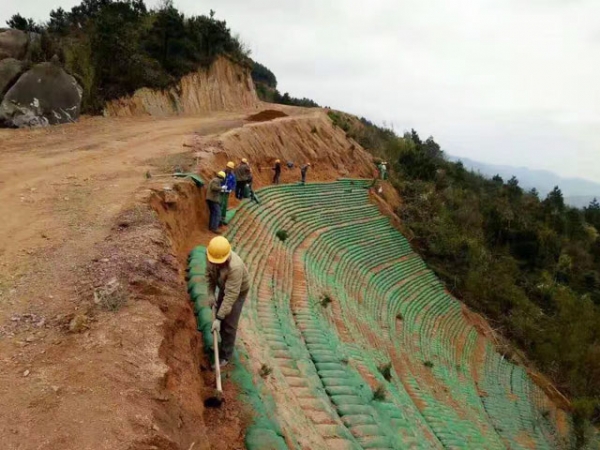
x: 44, y: 95
x: 13, y: 43
x: 10, y: 69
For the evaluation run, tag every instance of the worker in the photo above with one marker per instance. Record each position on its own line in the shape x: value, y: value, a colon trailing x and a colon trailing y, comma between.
x: 243, y: 175
x: 277, y: 170
x: 382, y: 169
x: 213, y: 200
x: 228, y: 186
x: 303, y: 171
x: 226, y: 270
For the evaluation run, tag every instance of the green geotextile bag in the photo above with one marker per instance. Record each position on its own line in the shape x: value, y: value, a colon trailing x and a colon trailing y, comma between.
x: 263, y: 439
x: 194, y: 177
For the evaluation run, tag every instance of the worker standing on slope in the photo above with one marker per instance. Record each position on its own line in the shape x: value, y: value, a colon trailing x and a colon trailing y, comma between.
x: 228, y: 187
x: 243, y: 175
x: 226, y: 270
x: 213, y: 200
x: 277, y: 170
x: 303, y: 171
x: 382, y: 168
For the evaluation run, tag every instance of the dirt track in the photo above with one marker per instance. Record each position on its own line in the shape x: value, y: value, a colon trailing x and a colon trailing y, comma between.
x: 73, y: 219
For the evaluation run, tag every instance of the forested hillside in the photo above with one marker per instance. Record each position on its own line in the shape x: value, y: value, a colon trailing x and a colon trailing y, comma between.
x: 530, y: 264
x: 115, y: 47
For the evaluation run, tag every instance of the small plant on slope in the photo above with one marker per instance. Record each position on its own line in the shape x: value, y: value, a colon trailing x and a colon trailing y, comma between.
x: 379, y: 393
x: 265, y: 371
x: 399, y: 316
x: 428, y: 364
x: 325, y: 300
x: 386, y: 371
x: 282, y: 235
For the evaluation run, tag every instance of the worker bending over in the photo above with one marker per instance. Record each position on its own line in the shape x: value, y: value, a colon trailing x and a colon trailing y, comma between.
x: 226, y: 270
x: 277, y: 170
x: 228, y: 187
x: 243, y: 175
x: 213, y: 200
x: 303, y: 171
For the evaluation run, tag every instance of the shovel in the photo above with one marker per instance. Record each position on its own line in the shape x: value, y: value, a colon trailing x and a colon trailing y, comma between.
x: 216, y: 399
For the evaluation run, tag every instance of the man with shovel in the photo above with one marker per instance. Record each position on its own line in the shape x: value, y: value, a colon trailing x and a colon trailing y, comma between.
x: 226, y: 270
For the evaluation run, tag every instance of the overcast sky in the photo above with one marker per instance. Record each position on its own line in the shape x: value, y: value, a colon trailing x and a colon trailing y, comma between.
x: 503, y: 81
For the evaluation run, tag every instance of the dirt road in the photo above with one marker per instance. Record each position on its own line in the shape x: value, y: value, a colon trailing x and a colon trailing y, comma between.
x: 71, y: 374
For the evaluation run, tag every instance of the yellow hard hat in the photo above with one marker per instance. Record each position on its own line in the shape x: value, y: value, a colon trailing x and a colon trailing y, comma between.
x: 221, y: 174
x: 231, y: 165
x: 277, y: 161
x: 244, y: 160
x: 218, y: 250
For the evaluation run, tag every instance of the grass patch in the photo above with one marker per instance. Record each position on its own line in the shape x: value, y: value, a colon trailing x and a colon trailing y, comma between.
x: 265, y: 371
x: 325, y: 300
x: 282, y: 235
x: 112, y: 296
x: 386, y: 371
x: 379, y: 393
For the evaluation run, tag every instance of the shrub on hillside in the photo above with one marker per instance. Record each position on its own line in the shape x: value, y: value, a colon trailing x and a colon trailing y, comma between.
x: 115, y: 47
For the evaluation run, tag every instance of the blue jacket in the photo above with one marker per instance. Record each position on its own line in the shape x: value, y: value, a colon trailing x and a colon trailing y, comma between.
x: 230, y: 182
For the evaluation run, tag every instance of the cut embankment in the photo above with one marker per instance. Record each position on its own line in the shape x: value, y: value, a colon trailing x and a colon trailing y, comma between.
x: 294, y: 140
x: 225, y: 86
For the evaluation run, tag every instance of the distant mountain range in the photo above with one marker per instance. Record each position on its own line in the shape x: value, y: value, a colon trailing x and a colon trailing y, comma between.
x: 577, y: 191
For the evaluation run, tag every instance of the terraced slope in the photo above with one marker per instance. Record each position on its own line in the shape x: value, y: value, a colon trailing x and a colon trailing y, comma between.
x: 343, y: 297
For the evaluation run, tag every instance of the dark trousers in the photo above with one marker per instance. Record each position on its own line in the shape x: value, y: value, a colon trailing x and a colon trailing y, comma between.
x: 224, y: 204
x: 230, y: 324
x: 276, y: 177
x: 239, y: 189
x: 303, y: 177
x: 214, y: 209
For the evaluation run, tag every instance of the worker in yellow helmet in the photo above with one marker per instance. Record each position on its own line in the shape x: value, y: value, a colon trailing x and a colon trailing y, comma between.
x: 226, y: 270
x: 228, y: 187
x: 277, y: 170
x: 243, y: 176
x: 213, y: 200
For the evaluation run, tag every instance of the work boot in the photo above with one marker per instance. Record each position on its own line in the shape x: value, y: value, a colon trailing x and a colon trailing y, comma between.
x: 216, y: 232
x: 222, y: 364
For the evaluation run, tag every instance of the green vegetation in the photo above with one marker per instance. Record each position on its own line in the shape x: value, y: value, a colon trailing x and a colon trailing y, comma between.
x: 386, y: 371
x: 265, y: 371
x: 379, y: 393
x: 325, y: 300
x: 266, y: 88
x: 531, y: 265
x: 428, y: 364
x: 115, y: 47
x: 282, y: 235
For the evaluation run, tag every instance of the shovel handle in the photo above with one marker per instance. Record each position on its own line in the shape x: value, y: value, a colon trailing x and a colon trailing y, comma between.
x: 217, y: 359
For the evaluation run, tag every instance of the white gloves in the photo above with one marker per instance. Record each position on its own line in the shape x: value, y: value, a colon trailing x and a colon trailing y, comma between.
x: 216, y: 326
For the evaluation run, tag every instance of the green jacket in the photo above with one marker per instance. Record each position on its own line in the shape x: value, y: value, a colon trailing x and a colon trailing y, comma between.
x: 213, y: 190
x: 232, y: 279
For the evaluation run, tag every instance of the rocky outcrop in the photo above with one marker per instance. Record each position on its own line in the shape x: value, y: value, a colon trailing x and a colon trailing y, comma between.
x: 10, y: 69
x: 13, y: 43
x: 224, y: 86
x: 44, y: 95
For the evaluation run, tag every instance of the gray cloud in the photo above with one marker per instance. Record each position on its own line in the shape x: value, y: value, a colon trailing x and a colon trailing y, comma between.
x: 504, y: 81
